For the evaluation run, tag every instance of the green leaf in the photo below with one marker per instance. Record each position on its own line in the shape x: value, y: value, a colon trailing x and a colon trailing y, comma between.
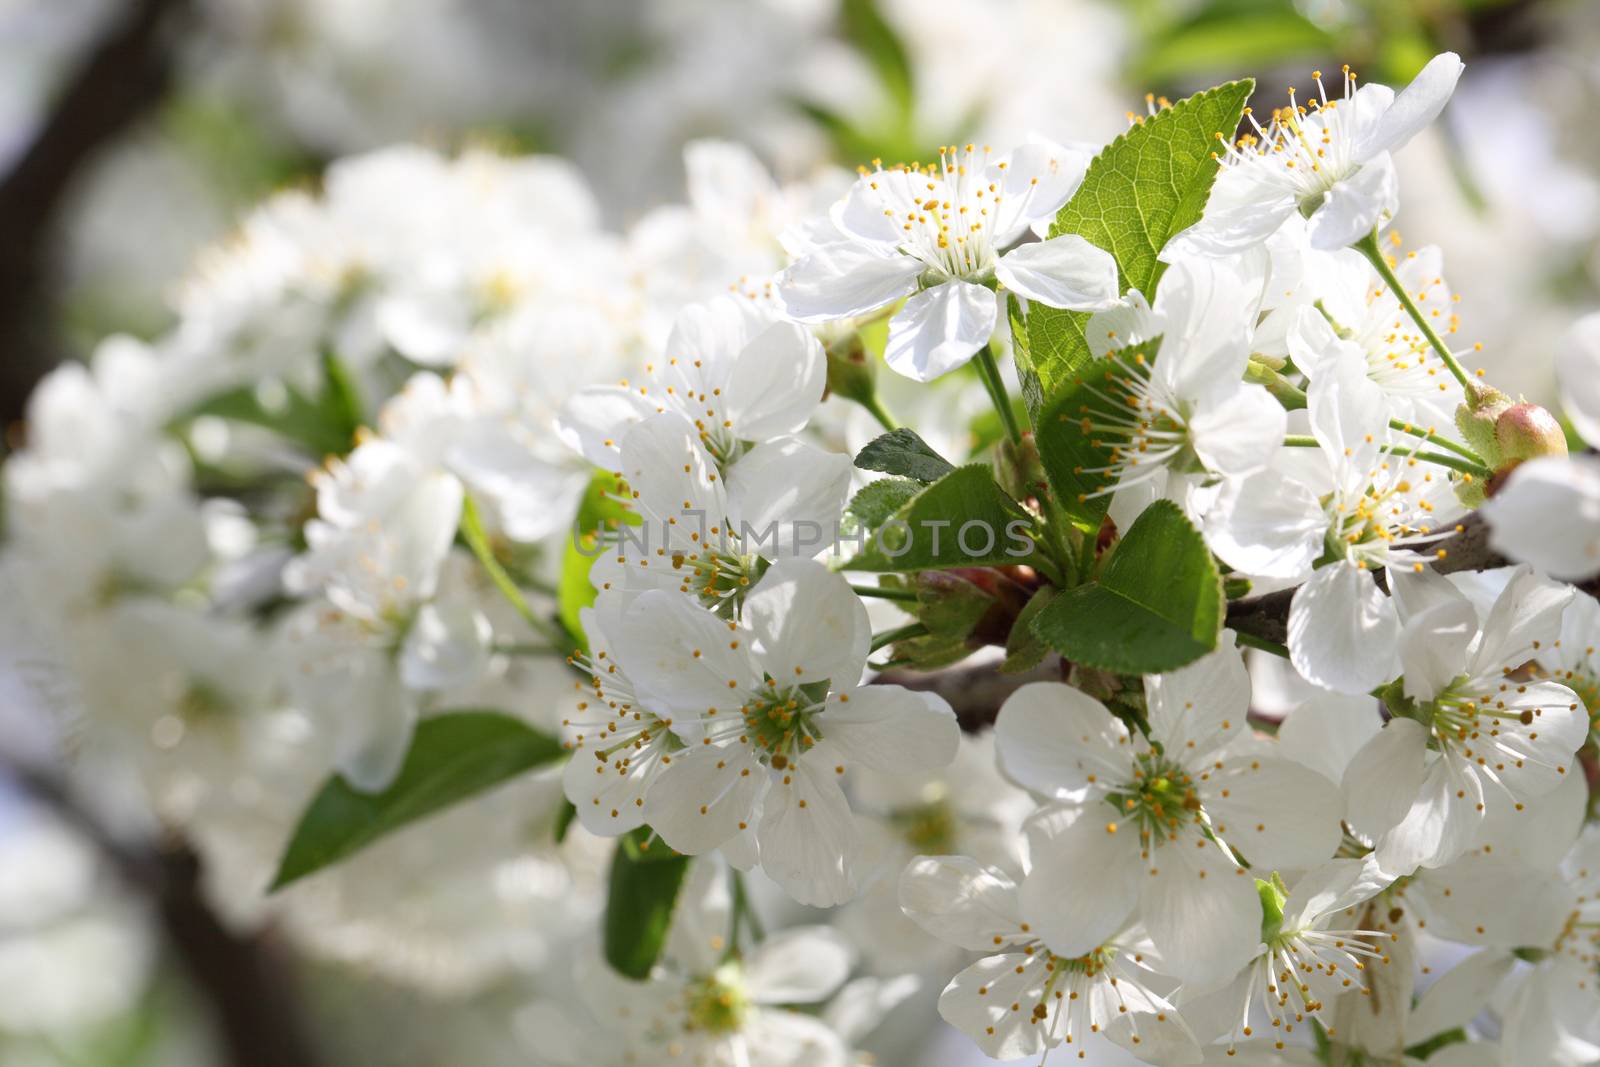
x: 452, y: 757
x: 645, y: 879
x: 903, y: 453
x: 1227, y: 41
x: 927, y: 533
x: 324, y: 425
x: 598, y: 512
x: 865, y: 27
x: 1025, y: 650
x: 1146, y: 186
x: 1071, y: 449
x: 877, y: 501
x: 1157, y: 607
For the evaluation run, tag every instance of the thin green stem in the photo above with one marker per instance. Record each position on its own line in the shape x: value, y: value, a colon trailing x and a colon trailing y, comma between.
x: 1434, y: 439
x: 1456, y: 463
x: 1368, y: 247
x: 876, y: 409
x: 1252, y: 641
x: 989, y: 371
x: 477, y: 539
x: 884, y: 594
x: 899, y: 633
x: 743, y: 909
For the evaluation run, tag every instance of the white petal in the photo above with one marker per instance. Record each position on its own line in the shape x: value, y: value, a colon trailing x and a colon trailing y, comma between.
x: 1444, y: 819
x: 1433, y: 648
x: 1064, y: 272
x: 1203, y: 915
x: 673, y: 477
x: 1465, y: 901
x: 891, y: 729
x: 1384, y: 776
x: 1326, y: 732
x: 1526, y: 617
x: 789, y: 1039
x: 1519, y: 516
x: 843, y: 280
x: 1343, y: 630
x: 1085, y: 879
x: 987, y: 1017
x: 1198, y: 709
x: 1356, y: 206
x: 1237, y: 431
x: 786, y: 496
x: 960, y: 902
x: 1242, y: 212
x: 801, y: 965
x: 809, y: 841
x: 1276, y: 812
x: 594, y: 419
x: 375, y: 728
x: 609, y: 796
x: 1457, y: 998
x: 776, y: 383
x: 680, y: 653
x: 1578, y: 369
x: 1417, y: 105
x: 1267, y: 525
x: 1051, y: 738
x: 447, y: 645
x: 705, y: 796
x: 940, y: 329
x: 812, y: 628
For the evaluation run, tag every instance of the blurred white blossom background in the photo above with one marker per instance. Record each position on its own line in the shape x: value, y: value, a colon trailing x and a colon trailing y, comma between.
x: 300, y: 144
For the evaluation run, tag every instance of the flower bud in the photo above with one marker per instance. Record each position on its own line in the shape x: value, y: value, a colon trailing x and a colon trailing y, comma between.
x: 1526, y: 431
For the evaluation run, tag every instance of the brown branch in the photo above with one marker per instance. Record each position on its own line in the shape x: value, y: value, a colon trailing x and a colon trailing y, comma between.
x: 243, y: 981
x: 126, y: 75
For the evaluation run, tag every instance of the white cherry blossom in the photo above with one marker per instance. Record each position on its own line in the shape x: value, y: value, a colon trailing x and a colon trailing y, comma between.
x: 1330, y: 516
x: 939, y: 235
x: 1023, y: 999
x: 1153, y: 828
x: 729, y: 728
x: 1478, y: 737
x: 1328, y: 159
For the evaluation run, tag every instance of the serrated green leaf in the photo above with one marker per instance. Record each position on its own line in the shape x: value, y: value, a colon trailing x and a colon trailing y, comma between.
x: 1157, y: 607
x: 877, y: 501
x: 1073, y: 451
x: 901, y: 452
x: 1145, y: 187
x: 452, y: 757
x: 645, y: 878
x: 1025, y: 650
x: 926, y: 534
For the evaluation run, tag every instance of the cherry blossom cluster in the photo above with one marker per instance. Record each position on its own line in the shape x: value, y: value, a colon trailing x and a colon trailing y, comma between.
x: 1286, y: 758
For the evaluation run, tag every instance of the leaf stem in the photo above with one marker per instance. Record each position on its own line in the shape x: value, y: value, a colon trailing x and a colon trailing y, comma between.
x: 899, y: 633
x: 883, y: 593
x: 1252, y: 641
x: 477, y: 539
x: 989, y: 371
x: 1368, y: 247
x: 876, y: 409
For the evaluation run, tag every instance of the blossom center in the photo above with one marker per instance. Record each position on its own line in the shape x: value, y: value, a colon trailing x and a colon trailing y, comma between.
x: 717, y: 1004
x: 780, y: 722
x: 1159, y: 800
